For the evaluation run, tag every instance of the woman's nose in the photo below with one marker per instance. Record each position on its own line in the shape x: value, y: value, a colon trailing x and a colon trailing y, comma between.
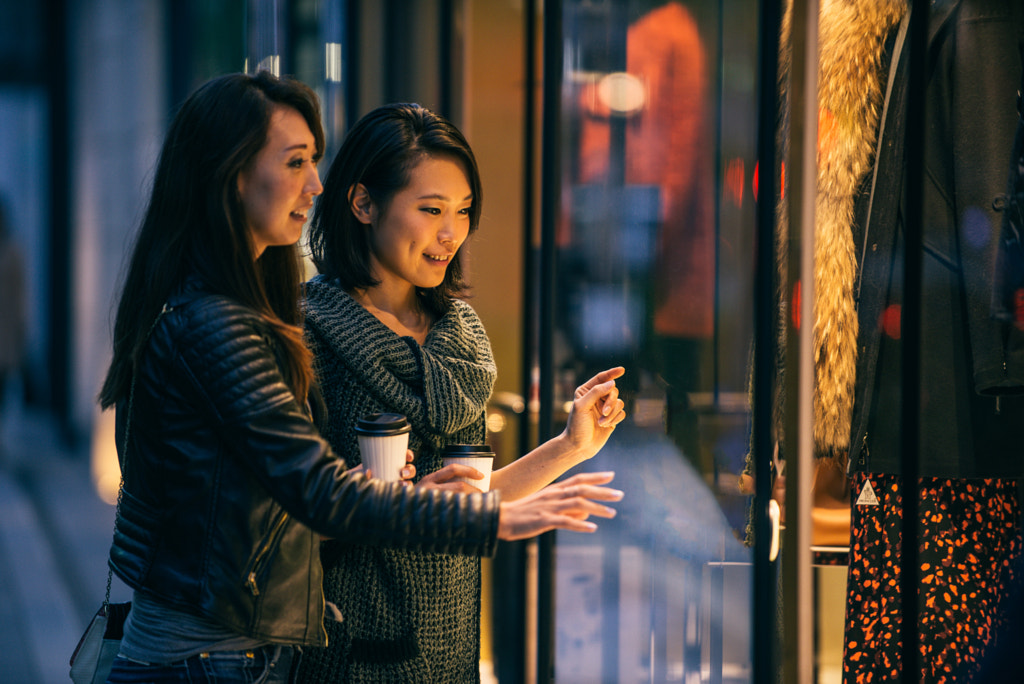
x: 313, y: 184
x: 447, y: 233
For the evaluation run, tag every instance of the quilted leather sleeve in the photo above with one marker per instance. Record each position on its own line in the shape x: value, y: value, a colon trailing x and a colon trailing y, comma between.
x: 232, y: 361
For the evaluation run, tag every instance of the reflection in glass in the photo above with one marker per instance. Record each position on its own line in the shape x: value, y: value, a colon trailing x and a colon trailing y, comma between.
x: 332, y: 62
x: 264, y: 22
x: 654, y: 274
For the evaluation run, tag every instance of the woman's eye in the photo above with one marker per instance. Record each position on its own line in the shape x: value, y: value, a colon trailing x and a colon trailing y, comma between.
x: 466, y: 211
x: 432, y: 210
x: 297, y: 163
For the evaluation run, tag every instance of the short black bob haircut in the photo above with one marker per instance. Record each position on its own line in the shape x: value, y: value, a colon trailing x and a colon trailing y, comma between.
x: 380, y: 152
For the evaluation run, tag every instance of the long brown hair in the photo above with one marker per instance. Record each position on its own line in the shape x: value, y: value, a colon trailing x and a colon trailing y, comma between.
x: 194, y: 223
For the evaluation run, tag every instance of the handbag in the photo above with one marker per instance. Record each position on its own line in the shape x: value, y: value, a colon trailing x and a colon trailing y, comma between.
x: 94, y: 655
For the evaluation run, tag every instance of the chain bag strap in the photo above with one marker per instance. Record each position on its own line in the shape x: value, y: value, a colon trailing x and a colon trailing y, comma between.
x: 94, y: 655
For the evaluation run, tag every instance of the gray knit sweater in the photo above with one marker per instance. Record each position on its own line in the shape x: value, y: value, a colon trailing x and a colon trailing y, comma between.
x: 407, y: 616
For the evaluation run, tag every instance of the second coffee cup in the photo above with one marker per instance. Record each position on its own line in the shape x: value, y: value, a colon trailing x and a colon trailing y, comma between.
x: 479, y: 456
x: 383, y: 441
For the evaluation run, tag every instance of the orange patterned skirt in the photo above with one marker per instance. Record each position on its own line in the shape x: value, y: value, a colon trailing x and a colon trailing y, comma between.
x: 969, y: 555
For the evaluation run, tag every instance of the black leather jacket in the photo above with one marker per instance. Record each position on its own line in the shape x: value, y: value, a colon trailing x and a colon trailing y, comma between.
x: 228, y: 485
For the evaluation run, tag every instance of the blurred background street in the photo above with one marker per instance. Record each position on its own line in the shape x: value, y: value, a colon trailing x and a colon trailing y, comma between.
x: 55, y: 531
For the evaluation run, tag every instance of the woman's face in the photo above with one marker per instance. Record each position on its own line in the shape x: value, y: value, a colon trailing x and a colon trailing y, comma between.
x: 426, y: 222
x: 277, y: 190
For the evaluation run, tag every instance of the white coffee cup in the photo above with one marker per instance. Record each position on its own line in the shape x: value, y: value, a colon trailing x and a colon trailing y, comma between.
x: 479, y: 456
x: 383, y: 441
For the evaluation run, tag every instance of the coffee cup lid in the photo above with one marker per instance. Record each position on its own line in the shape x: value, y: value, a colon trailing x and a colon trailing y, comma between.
x: 382, y: 424
x: 477, y: 450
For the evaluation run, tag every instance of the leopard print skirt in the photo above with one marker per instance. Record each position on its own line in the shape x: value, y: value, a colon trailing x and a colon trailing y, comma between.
x: 969, y: 557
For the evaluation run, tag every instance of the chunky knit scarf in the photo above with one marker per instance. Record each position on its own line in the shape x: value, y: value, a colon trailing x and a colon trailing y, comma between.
x: 407, y: 616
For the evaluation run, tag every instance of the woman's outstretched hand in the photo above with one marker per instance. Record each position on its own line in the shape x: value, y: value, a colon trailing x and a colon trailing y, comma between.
x: 596, y: 410
x: 563, y: 505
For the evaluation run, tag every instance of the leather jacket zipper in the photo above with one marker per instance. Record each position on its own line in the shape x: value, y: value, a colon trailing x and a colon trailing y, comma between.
x: 257, y: 563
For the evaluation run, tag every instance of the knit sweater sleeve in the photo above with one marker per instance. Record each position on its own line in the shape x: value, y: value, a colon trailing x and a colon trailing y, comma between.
x: 458, y: 369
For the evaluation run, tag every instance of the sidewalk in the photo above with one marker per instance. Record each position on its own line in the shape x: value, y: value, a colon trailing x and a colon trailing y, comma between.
x: 55, y: 533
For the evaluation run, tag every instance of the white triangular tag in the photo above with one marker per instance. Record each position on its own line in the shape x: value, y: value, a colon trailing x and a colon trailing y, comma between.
x: 867, y: 495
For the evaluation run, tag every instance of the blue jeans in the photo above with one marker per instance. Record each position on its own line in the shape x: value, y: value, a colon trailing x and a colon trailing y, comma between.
x: 268, y: 665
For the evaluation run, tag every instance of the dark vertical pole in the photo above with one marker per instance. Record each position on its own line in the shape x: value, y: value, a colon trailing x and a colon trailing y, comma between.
x: 611, y: 553
x: 333, y: 30
x: 530, y: 298
x: 398, y: 57
x: 716, y: 597
x: 618, y: 25
x: 765, y: 626
x: 288, y: 35
x: 61, y: 192
x: 550, y: 187
x: 719, y: 72
x: 351, y: 32
x: 910, y: 326
x: 179, y: 51
x: 246, y: 32
x: 510, y: 565
x: 446, y: 63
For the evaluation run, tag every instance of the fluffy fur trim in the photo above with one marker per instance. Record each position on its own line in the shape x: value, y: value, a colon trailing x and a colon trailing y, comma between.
x: 851, y: 86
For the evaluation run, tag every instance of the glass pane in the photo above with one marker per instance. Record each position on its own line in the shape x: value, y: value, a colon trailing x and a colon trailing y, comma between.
x: 655, y: 269
x: 265, y: 24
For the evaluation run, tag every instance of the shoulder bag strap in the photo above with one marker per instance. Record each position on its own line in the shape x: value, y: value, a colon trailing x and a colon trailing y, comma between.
x: 124, y: 454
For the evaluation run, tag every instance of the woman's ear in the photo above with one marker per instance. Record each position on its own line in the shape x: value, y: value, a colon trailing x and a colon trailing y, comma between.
x: 361, y: 204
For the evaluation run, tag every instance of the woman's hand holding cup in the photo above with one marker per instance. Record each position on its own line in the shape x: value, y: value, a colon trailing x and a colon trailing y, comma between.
x: 455, y: 477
